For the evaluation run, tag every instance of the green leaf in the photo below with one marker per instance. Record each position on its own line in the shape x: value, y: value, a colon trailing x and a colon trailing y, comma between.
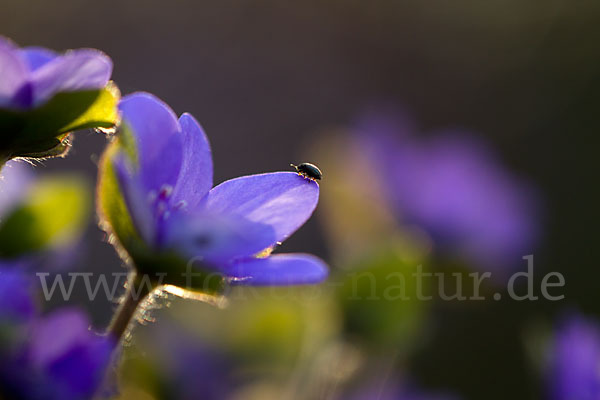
x: 55, y: 147
x: 101, y: 114
x: 53, y: 215
x: 37, y: 131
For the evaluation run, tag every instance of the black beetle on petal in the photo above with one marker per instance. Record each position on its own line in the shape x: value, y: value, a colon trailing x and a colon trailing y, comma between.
x: 309, y: 171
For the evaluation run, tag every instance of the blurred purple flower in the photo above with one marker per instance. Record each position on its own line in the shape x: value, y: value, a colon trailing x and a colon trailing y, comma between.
x: 395, y: 391
x: 575, y: 365
x: 16, y: 302
x: 453, y: 186
x: 188, y: 367
x: 170, y: 197
x: 30, y: 76
x: 46, y: 357
x: 15, y: 179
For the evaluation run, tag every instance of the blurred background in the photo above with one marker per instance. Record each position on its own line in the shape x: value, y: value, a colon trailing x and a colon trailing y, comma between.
x: 280, y: 82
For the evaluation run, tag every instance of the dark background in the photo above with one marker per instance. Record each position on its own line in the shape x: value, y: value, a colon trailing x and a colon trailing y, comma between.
x: 262, y: 76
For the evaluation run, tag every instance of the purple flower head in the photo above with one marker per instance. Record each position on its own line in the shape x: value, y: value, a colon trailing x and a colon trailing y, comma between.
x: 46, y: 357
x: 453, y: 186
x: 45, y: 96
x: 166, y: 179
x: 575, y: 365
x: 187, y: 367
x: 15, y: 180
x: 395, y: 391
x: 16, y: 302
x: 30, y: 76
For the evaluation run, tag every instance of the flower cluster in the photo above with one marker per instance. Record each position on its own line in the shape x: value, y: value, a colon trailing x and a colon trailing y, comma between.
x: 155, y: 194
x: 394, y: 202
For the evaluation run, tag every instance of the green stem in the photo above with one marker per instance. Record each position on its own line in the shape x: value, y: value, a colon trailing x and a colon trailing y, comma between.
x: 136, y: 292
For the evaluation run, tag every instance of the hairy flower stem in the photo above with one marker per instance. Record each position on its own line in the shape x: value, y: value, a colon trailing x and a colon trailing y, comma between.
x: 136, y: 292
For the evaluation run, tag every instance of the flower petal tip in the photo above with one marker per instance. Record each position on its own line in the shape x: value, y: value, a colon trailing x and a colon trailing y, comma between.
x: 279, y: 270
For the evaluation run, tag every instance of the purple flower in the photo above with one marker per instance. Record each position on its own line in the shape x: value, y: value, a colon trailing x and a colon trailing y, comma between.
x: 45, y: 96
x: 394, y: 391
x: 164, y: 169
x: 54, y: 356
x: 15, y: 180
x: 453, y: 186
x: 187, y: 367
x: 16, y: 302
x: 575, y: 365
x: 30, y: 76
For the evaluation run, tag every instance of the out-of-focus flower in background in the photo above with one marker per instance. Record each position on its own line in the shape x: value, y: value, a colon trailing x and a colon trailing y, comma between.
x: 53, y: 356
x: 574, y: 360
x: 393, y: 389
x: 15, y: 180
x: 183, y: 366
x: 45, y: 95
x: 447, y: 192
x: 33, y: 75
x: 261, y: 346
x: 452, y: 185
x: 41, y: 219
x: 16, y: 300
x: 160, y: 170
x: 396, y: 206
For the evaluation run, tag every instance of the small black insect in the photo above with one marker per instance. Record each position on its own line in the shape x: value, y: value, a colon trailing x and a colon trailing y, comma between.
x: 309, y: 171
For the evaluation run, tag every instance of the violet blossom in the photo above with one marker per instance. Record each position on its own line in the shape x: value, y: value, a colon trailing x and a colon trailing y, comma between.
x: 452, y: 185
x: 166, y: 180
x: 30, y: 76
x: 575, y: 360
x: 52, y: 357
x: 187, y: 367
x: 45, y: 96
x: 15, y: 180
x: 393, y: 388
